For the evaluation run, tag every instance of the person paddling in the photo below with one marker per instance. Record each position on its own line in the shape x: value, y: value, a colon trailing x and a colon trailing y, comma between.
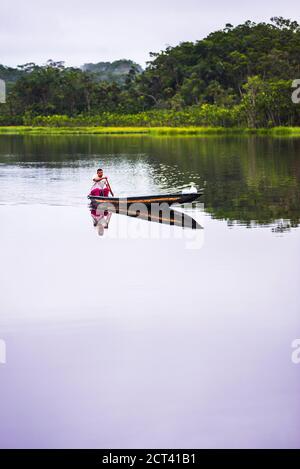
x: 101, y: 185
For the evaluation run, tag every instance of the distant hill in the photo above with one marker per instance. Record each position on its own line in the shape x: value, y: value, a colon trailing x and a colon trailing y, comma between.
x: 112, y: 71
x: 116, y: 71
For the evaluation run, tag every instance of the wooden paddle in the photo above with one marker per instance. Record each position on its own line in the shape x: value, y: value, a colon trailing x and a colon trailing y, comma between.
x: 108, y: 185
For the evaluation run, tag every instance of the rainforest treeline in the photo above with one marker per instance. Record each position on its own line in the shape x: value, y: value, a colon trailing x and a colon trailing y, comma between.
x: 239, y: 76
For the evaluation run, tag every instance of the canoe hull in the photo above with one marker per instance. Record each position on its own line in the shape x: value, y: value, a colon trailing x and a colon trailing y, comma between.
x: 168, y: 199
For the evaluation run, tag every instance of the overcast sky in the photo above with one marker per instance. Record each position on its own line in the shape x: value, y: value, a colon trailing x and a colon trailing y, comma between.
x: 101, y: 30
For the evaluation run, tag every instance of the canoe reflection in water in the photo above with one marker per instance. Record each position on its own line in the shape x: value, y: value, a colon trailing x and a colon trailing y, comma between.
x: 158, y: 213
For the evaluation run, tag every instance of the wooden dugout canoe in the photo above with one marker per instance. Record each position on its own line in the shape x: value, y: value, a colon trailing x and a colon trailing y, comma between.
x: 146, y: 200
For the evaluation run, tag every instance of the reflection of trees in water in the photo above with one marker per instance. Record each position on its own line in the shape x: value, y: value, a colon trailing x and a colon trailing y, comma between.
x: 248, y: 178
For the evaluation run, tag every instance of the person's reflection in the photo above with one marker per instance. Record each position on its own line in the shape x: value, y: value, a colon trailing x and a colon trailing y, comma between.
x: 101, y: 219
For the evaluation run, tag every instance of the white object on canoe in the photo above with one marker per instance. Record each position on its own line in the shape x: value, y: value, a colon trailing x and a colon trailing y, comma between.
x: 190, y: 190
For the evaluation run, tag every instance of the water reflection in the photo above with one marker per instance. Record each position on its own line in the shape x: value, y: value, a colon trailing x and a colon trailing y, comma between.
x: 166, y: 216
x: 91, y: 319
x: 249, y: 180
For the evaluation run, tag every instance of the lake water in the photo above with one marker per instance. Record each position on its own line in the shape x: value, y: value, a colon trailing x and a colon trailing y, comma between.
x: 149, y: 336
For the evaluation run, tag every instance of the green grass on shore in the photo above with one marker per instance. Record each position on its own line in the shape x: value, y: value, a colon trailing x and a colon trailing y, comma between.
x: 204, y: 131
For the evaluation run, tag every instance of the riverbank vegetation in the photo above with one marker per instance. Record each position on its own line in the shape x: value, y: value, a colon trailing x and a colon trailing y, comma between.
x: 152, y: 131
x: 238, y: 77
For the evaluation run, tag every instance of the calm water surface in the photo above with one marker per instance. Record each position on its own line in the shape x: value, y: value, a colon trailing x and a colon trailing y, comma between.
x: 149, y: 335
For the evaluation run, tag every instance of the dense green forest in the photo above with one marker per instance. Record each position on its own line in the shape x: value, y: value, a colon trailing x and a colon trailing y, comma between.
x: 239, y: 76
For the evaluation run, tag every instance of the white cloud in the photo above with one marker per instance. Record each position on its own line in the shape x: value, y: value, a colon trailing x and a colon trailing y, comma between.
x: 92, y: 31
